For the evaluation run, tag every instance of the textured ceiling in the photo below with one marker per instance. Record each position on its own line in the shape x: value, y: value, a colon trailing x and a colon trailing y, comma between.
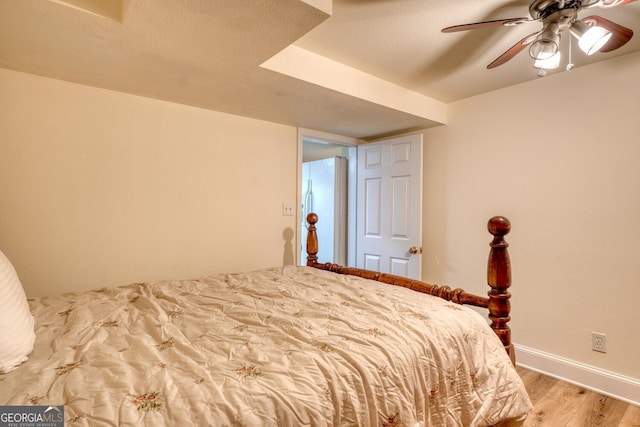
x: 401, y: 41
x: 360, y: 68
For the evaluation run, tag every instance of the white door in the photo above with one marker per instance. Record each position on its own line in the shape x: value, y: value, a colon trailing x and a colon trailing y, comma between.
x: 389, y: 206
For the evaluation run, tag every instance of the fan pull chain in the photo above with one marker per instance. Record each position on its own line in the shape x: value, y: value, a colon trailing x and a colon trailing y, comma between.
x: 570, y: 63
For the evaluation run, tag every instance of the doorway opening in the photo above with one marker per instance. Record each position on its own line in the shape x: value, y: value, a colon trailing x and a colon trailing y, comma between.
x: 327, y: 186
x: 377, y: 227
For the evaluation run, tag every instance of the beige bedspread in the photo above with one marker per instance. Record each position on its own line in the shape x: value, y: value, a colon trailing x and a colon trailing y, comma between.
x: 291, y: 346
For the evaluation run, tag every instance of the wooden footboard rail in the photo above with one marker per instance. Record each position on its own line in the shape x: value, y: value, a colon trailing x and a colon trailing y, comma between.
x: 498, y: 278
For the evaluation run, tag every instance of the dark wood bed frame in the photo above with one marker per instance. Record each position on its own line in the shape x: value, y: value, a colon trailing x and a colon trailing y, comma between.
x: 498, y: 278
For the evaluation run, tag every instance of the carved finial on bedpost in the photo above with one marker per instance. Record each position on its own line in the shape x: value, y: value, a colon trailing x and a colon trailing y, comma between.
x: 499, y: 279
x: 312, y: 239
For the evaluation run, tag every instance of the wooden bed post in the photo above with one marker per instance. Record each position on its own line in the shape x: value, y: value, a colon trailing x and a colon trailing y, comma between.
x: 312, y: 240
x: 499, y: 279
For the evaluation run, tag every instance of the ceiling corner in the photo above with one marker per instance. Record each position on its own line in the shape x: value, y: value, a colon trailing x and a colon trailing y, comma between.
x: 325, y: 6
x: 111, y: 9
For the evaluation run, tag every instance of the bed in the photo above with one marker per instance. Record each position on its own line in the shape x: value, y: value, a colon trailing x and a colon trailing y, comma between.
x: 315, y: 345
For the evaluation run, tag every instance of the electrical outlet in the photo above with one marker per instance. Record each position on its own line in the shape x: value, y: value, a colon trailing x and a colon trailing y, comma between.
x: 599, y: 342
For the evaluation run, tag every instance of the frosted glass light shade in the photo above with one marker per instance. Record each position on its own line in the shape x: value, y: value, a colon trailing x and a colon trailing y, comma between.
x: 549, y: 63
x: 547, y: 45
x: 590, y: 39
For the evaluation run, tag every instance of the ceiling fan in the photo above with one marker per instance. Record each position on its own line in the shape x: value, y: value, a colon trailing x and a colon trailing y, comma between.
x: 594, y: 33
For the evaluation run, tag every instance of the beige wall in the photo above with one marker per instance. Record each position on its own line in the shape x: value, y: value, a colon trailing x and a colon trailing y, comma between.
x: 99, y: 188
x: 560, y: 157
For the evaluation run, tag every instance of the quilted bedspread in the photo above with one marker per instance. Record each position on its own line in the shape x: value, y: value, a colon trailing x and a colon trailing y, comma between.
x: 291, y: 346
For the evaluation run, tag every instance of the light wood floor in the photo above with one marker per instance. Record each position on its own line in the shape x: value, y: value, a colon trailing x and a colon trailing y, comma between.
x: 560, y: 404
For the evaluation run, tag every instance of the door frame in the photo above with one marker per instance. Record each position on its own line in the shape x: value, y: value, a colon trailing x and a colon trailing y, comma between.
x: 325, y: 137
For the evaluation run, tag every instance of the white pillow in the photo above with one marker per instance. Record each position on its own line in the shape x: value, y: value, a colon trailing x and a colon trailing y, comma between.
x: 16, y: 321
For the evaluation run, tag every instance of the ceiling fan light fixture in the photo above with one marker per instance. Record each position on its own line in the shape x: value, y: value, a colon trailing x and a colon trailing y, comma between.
x: 546, y: 45
x: 594, y: 33
x: 549, y: 63
x: 590, y: 38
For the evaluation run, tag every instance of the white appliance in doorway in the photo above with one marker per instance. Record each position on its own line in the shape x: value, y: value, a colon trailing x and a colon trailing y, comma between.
x: 324, y: 192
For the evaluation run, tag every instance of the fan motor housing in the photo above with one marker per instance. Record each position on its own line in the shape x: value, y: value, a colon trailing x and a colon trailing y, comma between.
x: 541, y: 9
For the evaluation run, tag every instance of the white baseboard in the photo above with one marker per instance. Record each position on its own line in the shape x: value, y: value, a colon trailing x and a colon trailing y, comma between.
x: 601, y: 381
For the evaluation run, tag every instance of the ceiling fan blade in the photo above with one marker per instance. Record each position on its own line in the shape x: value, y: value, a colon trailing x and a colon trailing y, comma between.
x: 514, y: 50
x: 620, y: 35
x: 486, y: 24
x: 608, y: 4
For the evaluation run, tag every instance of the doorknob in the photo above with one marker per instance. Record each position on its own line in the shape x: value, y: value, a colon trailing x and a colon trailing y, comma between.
x: 413, y: 250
